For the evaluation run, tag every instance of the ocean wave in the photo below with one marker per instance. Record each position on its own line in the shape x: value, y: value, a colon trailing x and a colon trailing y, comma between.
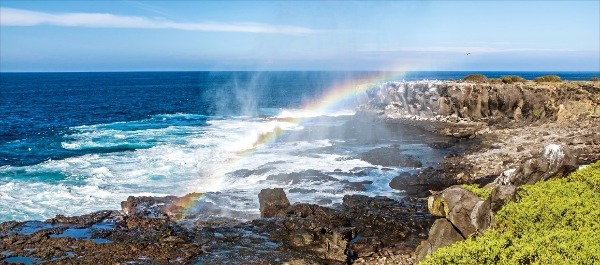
x: 228, y: 160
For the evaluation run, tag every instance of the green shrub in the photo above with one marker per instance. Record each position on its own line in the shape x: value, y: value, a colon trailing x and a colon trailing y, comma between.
x: 509, y: 79
x: 481, y: 192
x: 589, y: 175
x: 494, y: 80
x: 475, y: 78
x: 595, y: 79
x: 547, y: 78
x: 553, y: 222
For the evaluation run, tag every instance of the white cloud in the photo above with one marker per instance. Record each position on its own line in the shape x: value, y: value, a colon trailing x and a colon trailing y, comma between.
x: 22, y: 17
x: 462, y: 49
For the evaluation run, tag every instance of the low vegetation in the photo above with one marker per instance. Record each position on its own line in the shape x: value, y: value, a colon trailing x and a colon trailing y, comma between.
x: 595, y: 79
x: 481, y: 192
x: 475, y: 78
x: 547, y: 78
x: 509, y: 79
x: 553, y: 222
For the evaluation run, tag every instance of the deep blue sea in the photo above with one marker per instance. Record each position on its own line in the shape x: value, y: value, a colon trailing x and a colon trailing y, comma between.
x: 72, y: 143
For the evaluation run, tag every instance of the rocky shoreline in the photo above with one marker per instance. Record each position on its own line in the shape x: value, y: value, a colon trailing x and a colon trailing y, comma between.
x: 501, y: 128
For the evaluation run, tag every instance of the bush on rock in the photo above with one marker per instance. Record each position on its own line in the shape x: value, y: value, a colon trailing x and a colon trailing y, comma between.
x: 553, y: 222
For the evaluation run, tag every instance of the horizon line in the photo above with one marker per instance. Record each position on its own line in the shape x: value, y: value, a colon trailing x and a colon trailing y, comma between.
x: 396, y: 71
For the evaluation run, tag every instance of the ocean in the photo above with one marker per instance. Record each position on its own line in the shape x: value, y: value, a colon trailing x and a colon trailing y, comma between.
x: 74, y: 143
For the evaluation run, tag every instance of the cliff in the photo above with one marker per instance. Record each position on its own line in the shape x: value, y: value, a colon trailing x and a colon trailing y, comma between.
x: 510, y: 122
x: 461, y: 109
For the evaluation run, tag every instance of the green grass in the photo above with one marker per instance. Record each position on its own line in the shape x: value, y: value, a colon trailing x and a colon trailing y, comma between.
x: 554, y: 222
x: 481, y: 192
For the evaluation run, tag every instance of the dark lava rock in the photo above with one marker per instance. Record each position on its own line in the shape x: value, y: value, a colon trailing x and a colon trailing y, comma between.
x: 555, y: 161
x: 500, y: 195
x: 401, y: 181
x: 299, y: 177
x: 272, y: 201
x: 302, y: 190
x: 465, y: 210
x: 390, y: 156
x: 355, y: 185
x: 440, y: 145
x: 83, y: 220
x: 360, y: 227
x: 156, y: 207
x: 244, y: 173
x: 442, y: 234
x: 324, y: 201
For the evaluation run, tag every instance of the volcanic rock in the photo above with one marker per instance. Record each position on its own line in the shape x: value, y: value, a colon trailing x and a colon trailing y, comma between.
x: 465, y: 210
x: 442, y: 234
x: 272, y: 202
x: 390, y: 156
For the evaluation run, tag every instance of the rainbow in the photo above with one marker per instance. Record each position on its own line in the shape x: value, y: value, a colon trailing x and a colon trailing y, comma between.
x: 334, y: 99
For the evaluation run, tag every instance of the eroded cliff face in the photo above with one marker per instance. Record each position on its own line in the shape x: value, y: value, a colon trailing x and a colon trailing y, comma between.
x: 511, y: 122
x: 477, y: 105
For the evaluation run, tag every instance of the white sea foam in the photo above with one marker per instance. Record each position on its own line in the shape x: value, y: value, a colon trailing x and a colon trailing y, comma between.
x: 183, y: 159
x: 311, y: 113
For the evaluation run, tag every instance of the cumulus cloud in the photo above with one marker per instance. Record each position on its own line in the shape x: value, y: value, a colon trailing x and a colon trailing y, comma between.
x: 22, y: 17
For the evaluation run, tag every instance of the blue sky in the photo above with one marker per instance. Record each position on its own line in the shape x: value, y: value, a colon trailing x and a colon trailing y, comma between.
x: 296, y: 35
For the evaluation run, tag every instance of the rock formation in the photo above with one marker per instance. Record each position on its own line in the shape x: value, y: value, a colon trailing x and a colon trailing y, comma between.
x: 272, y: 202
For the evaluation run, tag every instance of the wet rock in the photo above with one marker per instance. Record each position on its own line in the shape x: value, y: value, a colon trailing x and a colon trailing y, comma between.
x: 324, y: 201
x: 390, y: 156
x: 401, y: 181
x: 442, y: 234
x: 83, y: 220
x: 244, y: 173
x: 355, y: 185
x: 300, y: 177
x: 428, y: 179
x: 272, y: 202
x: 157, y: 207
x: 440, y: 145
x: 302, y: 190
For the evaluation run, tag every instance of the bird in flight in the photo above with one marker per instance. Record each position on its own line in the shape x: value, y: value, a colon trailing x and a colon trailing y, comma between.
x: 468, y: 53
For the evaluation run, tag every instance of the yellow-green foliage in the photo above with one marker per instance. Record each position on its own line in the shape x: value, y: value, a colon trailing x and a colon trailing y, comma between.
x: 547, y: 78
x: 475, y: 78
x: 509, y: 79
x: 589, y: 175
x: 481, y: 192
x: 555, y: 222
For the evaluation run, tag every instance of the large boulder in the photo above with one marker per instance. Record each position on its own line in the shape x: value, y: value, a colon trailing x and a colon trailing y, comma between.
x: 464, y: 209
x: 556, y: 161
x: 272, y: 202
x: 500, y: 195
x: 442, y: 234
